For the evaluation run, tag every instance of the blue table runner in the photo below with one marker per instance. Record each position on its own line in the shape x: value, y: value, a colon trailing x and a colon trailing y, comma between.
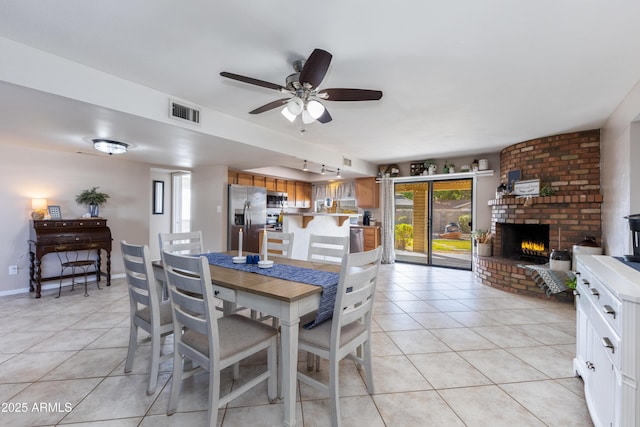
x: 326, y: 279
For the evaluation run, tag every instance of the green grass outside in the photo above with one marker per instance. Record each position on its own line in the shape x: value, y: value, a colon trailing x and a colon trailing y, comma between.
x: 447, y: 245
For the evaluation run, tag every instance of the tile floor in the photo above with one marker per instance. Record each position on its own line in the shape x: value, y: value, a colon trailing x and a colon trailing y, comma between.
x: 448, y: 351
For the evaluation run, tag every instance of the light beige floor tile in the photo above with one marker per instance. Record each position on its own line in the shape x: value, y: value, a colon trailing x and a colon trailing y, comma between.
x: 559, y: 411
x: 488, y: 406
x: 385, y: 306
x: 547, y: 334
x: 17, y: 342
x: 420, y: 341
x: 87, y: 364
x: 445, y: 370
x: 396, y: 322
x: 435, y: 320
x: 400, y: 296
x: 473, y: 318
x: 116, y: 337
x: 395, y: 374
x: 506, y: 336
x: 68, y: 340
x: 48, y: 402
x: 420, y: 408
x: 415, y: 307
x: 463, y: 339
x: 449, y: 305
x: 29, y: 367
x: 121, y: 422
x: 383, y: 345
x: 355, y: 411
x: 501, y: 367
x: 180, y: 419
x: 351, y: 382
x: 547, y: 359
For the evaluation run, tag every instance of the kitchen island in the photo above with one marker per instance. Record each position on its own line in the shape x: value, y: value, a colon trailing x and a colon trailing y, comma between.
x: 303, y: 225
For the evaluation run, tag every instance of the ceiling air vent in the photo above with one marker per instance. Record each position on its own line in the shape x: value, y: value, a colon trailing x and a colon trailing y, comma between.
x: 180, y: 110
x: 346, y: 161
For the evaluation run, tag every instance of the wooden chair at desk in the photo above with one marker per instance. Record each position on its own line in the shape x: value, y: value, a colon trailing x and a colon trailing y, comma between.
x: 349, y: 328
x: 211, y: 342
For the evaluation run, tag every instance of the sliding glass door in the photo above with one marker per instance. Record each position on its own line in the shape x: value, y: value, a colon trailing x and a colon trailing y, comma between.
x: 433, y: 222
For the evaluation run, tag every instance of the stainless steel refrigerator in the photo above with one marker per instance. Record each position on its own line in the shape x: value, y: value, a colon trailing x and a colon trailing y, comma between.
x: 247, y: 210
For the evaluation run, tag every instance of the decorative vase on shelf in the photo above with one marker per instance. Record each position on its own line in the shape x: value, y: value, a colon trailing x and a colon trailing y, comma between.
x: 484, y: 249
x: 432, y: 169
x: 452, y: 169
x: 94, y: 210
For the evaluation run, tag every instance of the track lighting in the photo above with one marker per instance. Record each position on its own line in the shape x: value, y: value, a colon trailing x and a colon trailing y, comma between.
x: 322, y: 171
x: 305, y: 167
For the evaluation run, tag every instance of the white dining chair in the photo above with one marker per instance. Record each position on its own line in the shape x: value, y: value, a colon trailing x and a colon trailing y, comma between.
x: 182, y: 243
x: 147, y: 310
x: 280, y: 244
x: 210, y: 342
x: 348, y: 329
x: 327, y: 249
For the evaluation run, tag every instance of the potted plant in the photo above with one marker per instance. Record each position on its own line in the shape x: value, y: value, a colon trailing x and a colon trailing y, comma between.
x: 482, y: 242
x: 92, y: 198
x: 431, y: 166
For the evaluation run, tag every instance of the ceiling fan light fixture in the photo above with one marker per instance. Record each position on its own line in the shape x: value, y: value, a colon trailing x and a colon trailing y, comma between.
x: 315, y: 108
x: 285, y: 112
x: 305, y: 167
x: 295, y: 105
x: 307, y: 117
x: 109, y: 146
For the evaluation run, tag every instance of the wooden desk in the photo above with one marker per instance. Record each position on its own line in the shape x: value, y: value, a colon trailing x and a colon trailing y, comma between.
x: 88, y: 234
x: 284, y: 299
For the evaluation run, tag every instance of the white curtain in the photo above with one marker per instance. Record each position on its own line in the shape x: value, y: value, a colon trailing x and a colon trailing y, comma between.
x: 388, y: 221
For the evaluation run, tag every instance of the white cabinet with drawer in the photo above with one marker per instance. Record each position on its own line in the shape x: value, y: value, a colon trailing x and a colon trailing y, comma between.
x: 607, y: 343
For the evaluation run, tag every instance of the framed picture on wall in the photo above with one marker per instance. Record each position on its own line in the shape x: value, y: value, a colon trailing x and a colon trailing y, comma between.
x: 158, y: 198
x: 54, y: 212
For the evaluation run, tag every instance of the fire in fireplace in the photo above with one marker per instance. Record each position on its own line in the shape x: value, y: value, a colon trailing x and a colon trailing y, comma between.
x: 525, y: 242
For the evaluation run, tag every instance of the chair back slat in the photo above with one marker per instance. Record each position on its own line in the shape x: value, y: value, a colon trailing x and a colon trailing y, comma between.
x: 182, y: 243
x: 140, y: 278
x: 327, y: 249
x: 279, y: 244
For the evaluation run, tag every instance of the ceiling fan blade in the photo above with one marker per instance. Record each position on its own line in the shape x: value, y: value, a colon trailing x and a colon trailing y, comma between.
x: 316, y: 67
x: 339, y: 94
x: 269, y: 106
x: 253, y: 81
x: 325, y: 117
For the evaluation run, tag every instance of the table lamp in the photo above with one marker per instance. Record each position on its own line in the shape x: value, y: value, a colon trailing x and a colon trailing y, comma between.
x: 39, y: 207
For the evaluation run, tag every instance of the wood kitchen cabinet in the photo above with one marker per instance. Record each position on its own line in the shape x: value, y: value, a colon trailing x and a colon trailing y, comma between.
x: 270, y: 183
x: 245, y: 178
x: 367, y: 193
x: 371, y: 238
x: 259, y: 181
x: 303, y: 194
x: 281, y: 185
x: 232, y: 177
x: 292, y: 201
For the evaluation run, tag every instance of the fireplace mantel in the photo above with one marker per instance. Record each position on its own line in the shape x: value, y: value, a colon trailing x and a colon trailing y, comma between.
x: 521, y: 200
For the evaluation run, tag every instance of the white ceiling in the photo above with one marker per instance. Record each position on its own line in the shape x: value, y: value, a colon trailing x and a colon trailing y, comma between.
x: 461, y: 77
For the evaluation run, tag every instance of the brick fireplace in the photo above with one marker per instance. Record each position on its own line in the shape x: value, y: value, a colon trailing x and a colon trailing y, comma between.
x: 568, y: 163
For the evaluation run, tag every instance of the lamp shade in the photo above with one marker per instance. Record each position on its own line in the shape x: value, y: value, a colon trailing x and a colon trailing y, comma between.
x: 38, y: 204
x: 295, y: 105
x: 285, y: 112
x: 315, y: 108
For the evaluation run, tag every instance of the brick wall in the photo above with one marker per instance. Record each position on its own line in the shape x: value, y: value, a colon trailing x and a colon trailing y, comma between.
x: 570, y: 163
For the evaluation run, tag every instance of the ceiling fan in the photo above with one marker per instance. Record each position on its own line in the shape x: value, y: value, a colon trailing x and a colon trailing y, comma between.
x: 305, y: 95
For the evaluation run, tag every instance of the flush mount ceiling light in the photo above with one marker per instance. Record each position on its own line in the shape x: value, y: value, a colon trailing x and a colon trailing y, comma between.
x: 305, y: 167
x: 109, y: 146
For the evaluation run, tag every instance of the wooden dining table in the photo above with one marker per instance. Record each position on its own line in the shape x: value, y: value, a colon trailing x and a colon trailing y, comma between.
x: 288, y: 300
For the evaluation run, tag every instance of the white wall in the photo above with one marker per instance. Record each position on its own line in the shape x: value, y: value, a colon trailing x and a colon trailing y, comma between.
x: 26, y: 173
x: 209, y: 206
x: 620, y: 173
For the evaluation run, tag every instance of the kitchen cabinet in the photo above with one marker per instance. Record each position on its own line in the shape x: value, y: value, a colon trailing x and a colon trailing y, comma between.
x: 292, y: 201
x: 367, y: 193
x: 303, y: 194
x: 371, y: 238
x: 232, y: 177
x: 245, y: 178
x: 281, y: 185
x: 270, y: 183
x: 259, y: 181
x: 607, y: 319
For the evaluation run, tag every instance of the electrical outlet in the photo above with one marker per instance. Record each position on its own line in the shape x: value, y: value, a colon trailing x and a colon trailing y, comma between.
x: 13, y: 270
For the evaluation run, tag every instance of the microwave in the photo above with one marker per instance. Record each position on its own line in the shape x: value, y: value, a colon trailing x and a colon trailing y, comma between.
x: 276, y: 199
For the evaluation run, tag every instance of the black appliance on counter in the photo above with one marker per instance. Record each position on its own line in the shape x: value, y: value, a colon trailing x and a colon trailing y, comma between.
x: 366, y: 218
x: 634, y: 225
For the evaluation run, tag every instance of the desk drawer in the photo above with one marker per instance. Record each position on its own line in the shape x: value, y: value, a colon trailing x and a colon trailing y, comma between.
x: 224, y: 294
